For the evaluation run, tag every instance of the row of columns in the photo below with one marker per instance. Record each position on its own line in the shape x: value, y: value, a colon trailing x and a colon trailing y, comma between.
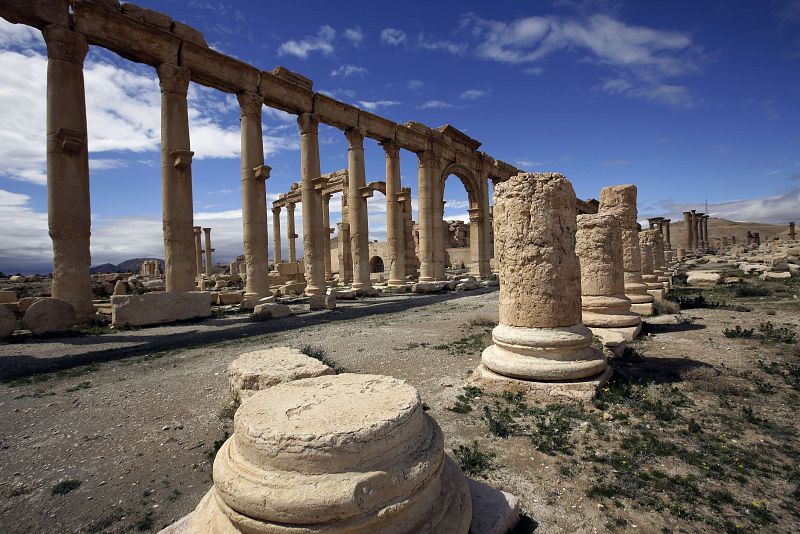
x: 696, y: 230
x: 662, y: 225
x: 198, y: 250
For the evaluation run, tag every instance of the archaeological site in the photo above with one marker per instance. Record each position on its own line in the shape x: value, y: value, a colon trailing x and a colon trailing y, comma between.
x: 556, y: 345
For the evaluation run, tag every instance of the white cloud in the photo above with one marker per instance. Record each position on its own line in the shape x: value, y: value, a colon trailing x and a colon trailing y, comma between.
x: 473, y: 94
x: 457, y: 204
x: 354, y: 35
x: 414, y: 85
x: 646, y: 56
x: 348, y: 70
x: 535, y: 71
x: 123, y: 108
x: 450, y: 47
x: 436, y: 104
x: 393, y: 37
x: 373, y: 106
x: 775, y: 209
x: 321, y: 42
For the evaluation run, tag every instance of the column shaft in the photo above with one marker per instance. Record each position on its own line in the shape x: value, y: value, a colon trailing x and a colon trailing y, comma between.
x: 68, y: 209
x: 326, y: 236
x: 425, y: 178
x: 254, y: 196
x: 209, y: 250
x: 395, y: 233
x: 176, y: 179
x: 311, y: 194
x: 276, y: 235
x: 345, y: 254
x: 198, y: 251
x: 292, y: 235
x: 357, y: 208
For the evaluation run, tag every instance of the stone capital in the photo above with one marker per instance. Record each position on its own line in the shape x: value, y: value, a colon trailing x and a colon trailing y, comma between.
x: 65, y: 45
x: 355, y: 138
x: 250, y: 103
x: 276, y: 210
x: 428, y: 158
x: 182, y: 158
x: 290, y: 206
x: 173, y: 79
x: 392, y: 148
x: 475, y: 215
x: 196, y: 229
x: 308, y: 123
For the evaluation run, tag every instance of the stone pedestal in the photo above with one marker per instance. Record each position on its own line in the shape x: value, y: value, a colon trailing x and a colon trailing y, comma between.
x: 620, y: 200
x: 540, y: 338
x: 604, y: 307
x: 176, y: 179
x: 342, y: 453
x: 68, y: 211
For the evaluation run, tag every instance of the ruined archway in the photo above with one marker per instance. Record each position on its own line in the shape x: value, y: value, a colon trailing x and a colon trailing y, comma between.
x: 376, y: 264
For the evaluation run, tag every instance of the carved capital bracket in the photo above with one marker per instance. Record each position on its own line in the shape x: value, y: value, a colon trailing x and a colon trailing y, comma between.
x: 65, y: 45
x: 392, y: 148
x: 250, y: 103
x: 308, y: 123
x: 355, y: 138
x: 276, y: 211
x: 262, y: 172
x: 173, y: 79
x: 182, y: 159
x: 475, y: 215
x: 366, y: 192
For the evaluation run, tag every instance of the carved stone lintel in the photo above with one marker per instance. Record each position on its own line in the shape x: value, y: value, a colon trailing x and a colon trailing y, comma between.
x: 355, y: 138
x: 428, y: 158
x: 65, y: 45
x: 262, y: 172
x: 366, y: 192
x: 250, y: 103
x: 475, y: 215
x: 319, y: 182
x: 182, y: 158
x: 276, y: 211
x: 71, y: 141
x: 308, y: 123
x: 173, y: 79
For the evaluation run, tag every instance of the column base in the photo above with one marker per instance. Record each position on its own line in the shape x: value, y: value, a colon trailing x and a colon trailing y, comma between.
x: 644, y: 309
x: 583, y: 390
x: 396, y: 283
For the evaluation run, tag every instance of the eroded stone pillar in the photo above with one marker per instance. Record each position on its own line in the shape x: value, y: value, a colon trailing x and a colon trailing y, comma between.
x: 357, y: 210
x: 208, y: 250
x: 292, y: 234
x: 792, y: 234
x: 668, y: 243
x: 705, y: 230
x: 697, y: 230
x: 479, y: 233
x: 276, y: 235
x: 176, y: 179
x: 620, y: 200
x: 395, y: 234
x: 689, y: 226
x: 605, y: 308
x: 254, y: 197
x: 198, y: 250
x: 647, y: 247
x: 326, y: 235
x: 540, y: 337
x: 426, y: 174
x: 311, y: 190
x: 68, y: 209
x: 404, y: 199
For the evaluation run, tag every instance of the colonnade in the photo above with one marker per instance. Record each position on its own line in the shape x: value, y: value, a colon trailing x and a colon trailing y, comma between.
x: 696, y: 224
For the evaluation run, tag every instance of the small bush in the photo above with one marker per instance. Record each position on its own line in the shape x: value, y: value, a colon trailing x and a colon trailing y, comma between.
x: 739, y: 332
x: 751, y: 290
x: 64, y: 487
x: 472, y: 460
x: 463, y: 402
x: 768, y: 332
x: 499, y: 420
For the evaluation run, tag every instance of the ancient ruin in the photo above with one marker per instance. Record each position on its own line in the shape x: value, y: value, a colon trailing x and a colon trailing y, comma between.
x: 540, y: 345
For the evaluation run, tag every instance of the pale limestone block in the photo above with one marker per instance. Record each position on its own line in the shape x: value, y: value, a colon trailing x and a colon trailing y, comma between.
x: 159, y: 308
x: 49, y: 316
x: 261, y: 369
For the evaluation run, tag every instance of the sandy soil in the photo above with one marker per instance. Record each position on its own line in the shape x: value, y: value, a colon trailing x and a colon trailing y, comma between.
x: 134, y: 417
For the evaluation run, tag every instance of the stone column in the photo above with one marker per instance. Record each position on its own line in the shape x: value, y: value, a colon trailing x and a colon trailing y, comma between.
x: 426, y: 175
x: 440, y: 232
x: 311, y: 191
x: 697, y: 230
x: 198, y: 250
x: 605, y: 308
x: 733, y: 239
x: 176, y: 179
x: 254, y: 197
x: 276, y: 235
x: 647, y: 246
x: 724, y: 241
x: 326, y: 235
x: 757, y: 238
x: 705, y: 229
x: 689, y: 226
x: 394, y: 216
x: 292, y: 235
x: 792, y: 234
x: 357, y: 210
x: 668, y: 243
x: 209, y: 250
x: 540, y: 337
x: 620, y: 200
x: 68, y: 210
x: 480, y: 258
x: 410, y: 259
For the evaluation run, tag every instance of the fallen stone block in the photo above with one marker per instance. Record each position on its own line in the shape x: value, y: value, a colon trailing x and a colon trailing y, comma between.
x: 261, y: 369
x: 49, y: 316
x: 703, y: 278
x: 263, y: 312
x: 8, y: 322
x: 430, y: 287
x: 8, y: 296
x: 27, y: 302
x: 322, y: 302
x: 493, y: 511
x: 159, y: 308
x: 769, y: 275
x: 229, y: 298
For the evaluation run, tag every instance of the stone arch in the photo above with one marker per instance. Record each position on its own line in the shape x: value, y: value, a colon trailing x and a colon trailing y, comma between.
x: 376, y: 264
x: 468, y: 178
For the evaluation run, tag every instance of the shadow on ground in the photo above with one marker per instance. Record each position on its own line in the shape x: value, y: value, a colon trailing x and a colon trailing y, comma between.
x: 231, y: 328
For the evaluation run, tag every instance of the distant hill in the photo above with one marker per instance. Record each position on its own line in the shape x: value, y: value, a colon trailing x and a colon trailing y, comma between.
x: 724, y: 228
x: 127, y: 266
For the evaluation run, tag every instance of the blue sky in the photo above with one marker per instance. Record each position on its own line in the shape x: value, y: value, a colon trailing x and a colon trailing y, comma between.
x: 689, y: 100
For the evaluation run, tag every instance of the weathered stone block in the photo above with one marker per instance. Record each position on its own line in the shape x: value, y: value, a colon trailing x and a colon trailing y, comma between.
x: 322, y: 302
x: 8, y: 322
x: 703, y: 278
x: 261, y: 369
x: 159, y: 308
x: 263, y: 312
x: 49, y: 316
x: 229, y: 298
x: 8, y: 296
